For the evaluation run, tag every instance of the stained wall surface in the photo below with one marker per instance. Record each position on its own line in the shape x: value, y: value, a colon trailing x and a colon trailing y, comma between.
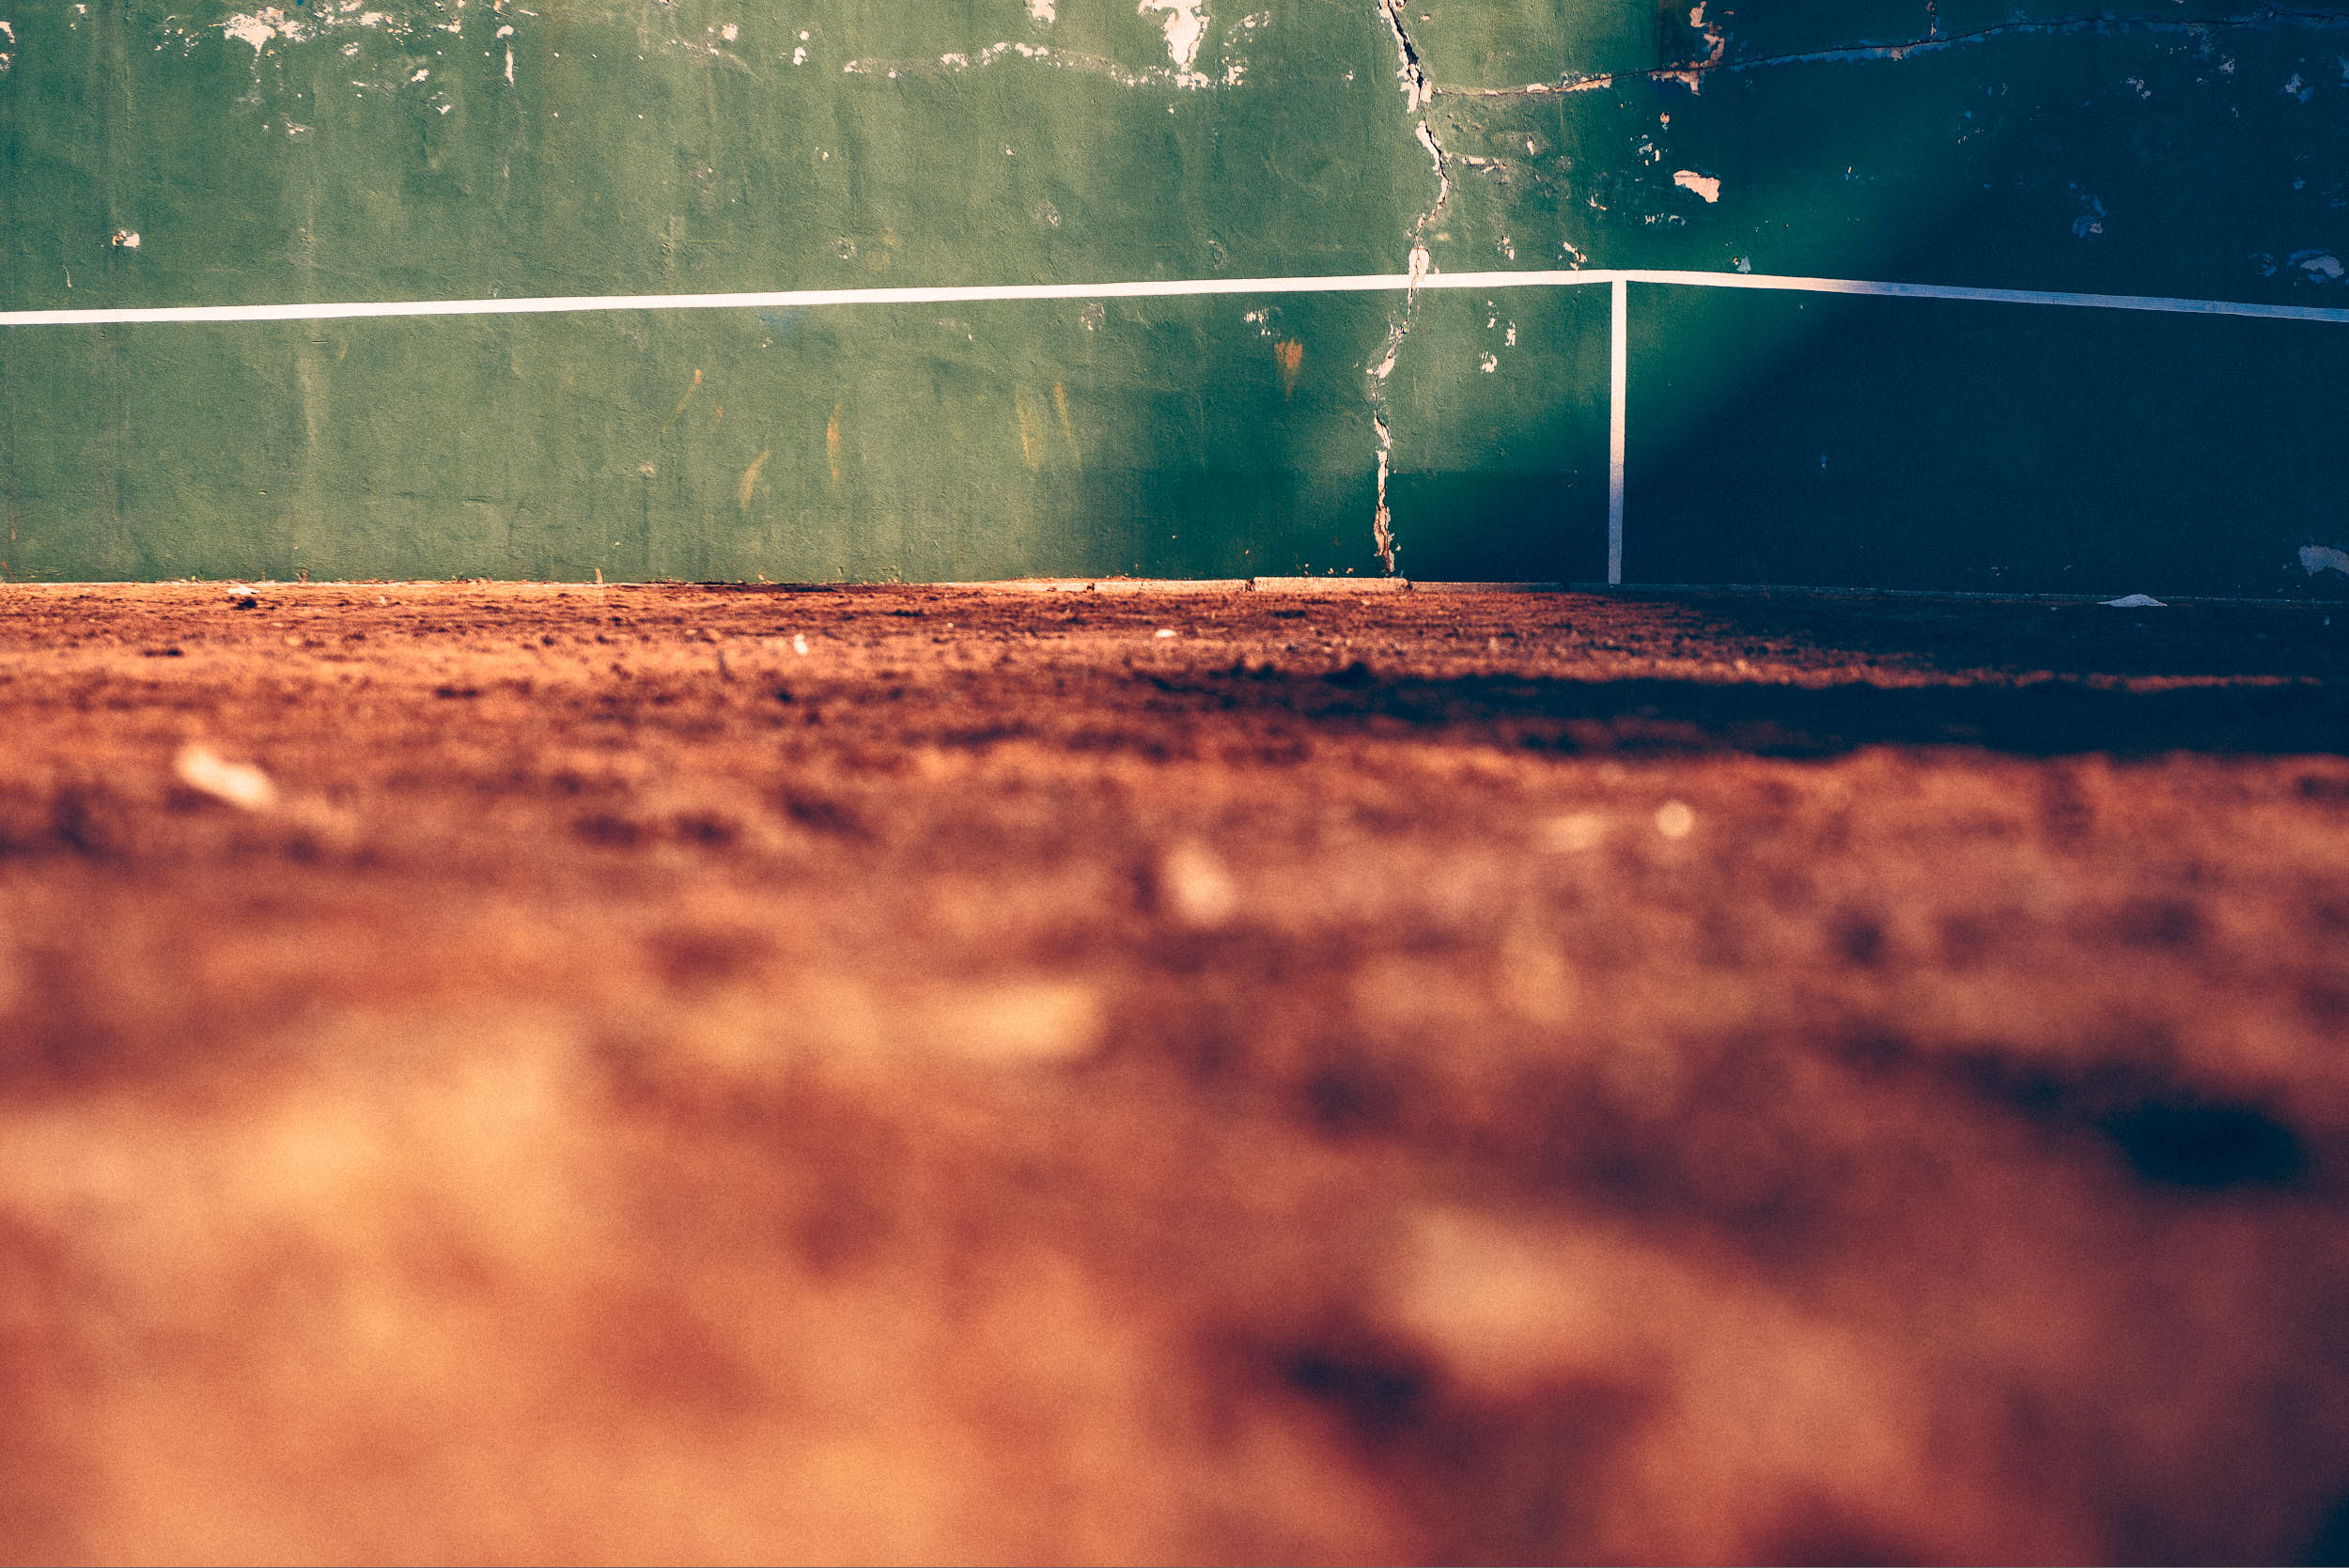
x: 407, y: 150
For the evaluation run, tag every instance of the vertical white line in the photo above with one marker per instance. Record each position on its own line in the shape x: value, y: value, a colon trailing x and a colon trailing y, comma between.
x: 1618, y: 372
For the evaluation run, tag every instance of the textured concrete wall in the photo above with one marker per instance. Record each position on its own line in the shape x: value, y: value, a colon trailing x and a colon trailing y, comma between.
x: 459, y: 149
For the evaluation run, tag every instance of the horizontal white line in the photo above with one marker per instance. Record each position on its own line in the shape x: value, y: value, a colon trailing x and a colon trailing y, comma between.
x: 1375, y: 283
x: 1992, y: 296
x: 802, y: 299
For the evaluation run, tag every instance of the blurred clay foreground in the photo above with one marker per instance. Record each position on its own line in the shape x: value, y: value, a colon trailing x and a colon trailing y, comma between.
x: 503, y: 1074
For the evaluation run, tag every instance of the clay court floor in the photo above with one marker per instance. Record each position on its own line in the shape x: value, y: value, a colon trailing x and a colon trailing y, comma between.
x: 954, y: 1074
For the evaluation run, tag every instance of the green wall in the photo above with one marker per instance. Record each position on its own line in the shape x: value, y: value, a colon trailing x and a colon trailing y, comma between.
x: 431, y: 149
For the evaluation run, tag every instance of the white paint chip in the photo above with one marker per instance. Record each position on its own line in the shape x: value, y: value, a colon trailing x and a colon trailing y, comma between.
x: 2135, y: 602
x: 240, y: 783
x: 1702, y: 184
x: 2317, y: 558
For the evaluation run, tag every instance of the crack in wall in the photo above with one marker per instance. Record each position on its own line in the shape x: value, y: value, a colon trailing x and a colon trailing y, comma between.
x: 1691, y: 72
x: 1418, y: 93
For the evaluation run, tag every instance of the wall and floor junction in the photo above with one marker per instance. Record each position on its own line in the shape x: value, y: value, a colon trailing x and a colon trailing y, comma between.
x: 399, y: 150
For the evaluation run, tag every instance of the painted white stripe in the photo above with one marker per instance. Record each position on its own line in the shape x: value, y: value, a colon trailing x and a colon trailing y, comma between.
x: 804, y: 299
x: 1389, y: 282
x: 1618, y: 376
x: 1992, y: 296
x: 1375, y: 283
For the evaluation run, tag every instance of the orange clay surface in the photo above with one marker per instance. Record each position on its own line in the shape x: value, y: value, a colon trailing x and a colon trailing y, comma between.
x: 1385, y: 1077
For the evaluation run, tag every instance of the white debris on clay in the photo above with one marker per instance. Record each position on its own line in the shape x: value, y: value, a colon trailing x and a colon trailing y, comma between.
x: 240, y: 783
x: 1195, y: 888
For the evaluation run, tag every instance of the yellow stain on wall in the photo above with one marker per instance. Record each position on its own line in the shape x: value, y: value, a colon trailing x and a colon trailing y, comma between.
x: 1030, y: 428
x: 831, y: 442
x: 750, y: 479
x: 1067, y: 426
x: 1289, y: 355
x: 678, y: 412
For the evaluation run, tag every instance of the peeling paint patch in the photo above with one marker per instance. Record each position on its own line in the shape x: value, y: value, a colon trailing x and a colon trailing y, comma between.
x: 1382, y: 521
x: 1704, y: 185
x: 2317, y: 558
x: 1186, y: 24
x: 2318, y: 264
x: 1043, y: 54
x: 260, y: 28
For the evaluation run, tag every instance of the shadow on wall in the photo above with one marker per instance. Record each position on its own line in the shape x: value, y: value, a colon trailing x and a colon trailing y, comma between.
x: 1872, y: 441
x: 1901, y: 443
x: 1879, y: 443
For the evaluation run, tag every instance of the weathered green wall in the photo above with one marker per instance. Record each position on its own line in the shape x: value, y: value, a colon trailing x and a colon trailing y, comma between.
x: 461, y: 148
